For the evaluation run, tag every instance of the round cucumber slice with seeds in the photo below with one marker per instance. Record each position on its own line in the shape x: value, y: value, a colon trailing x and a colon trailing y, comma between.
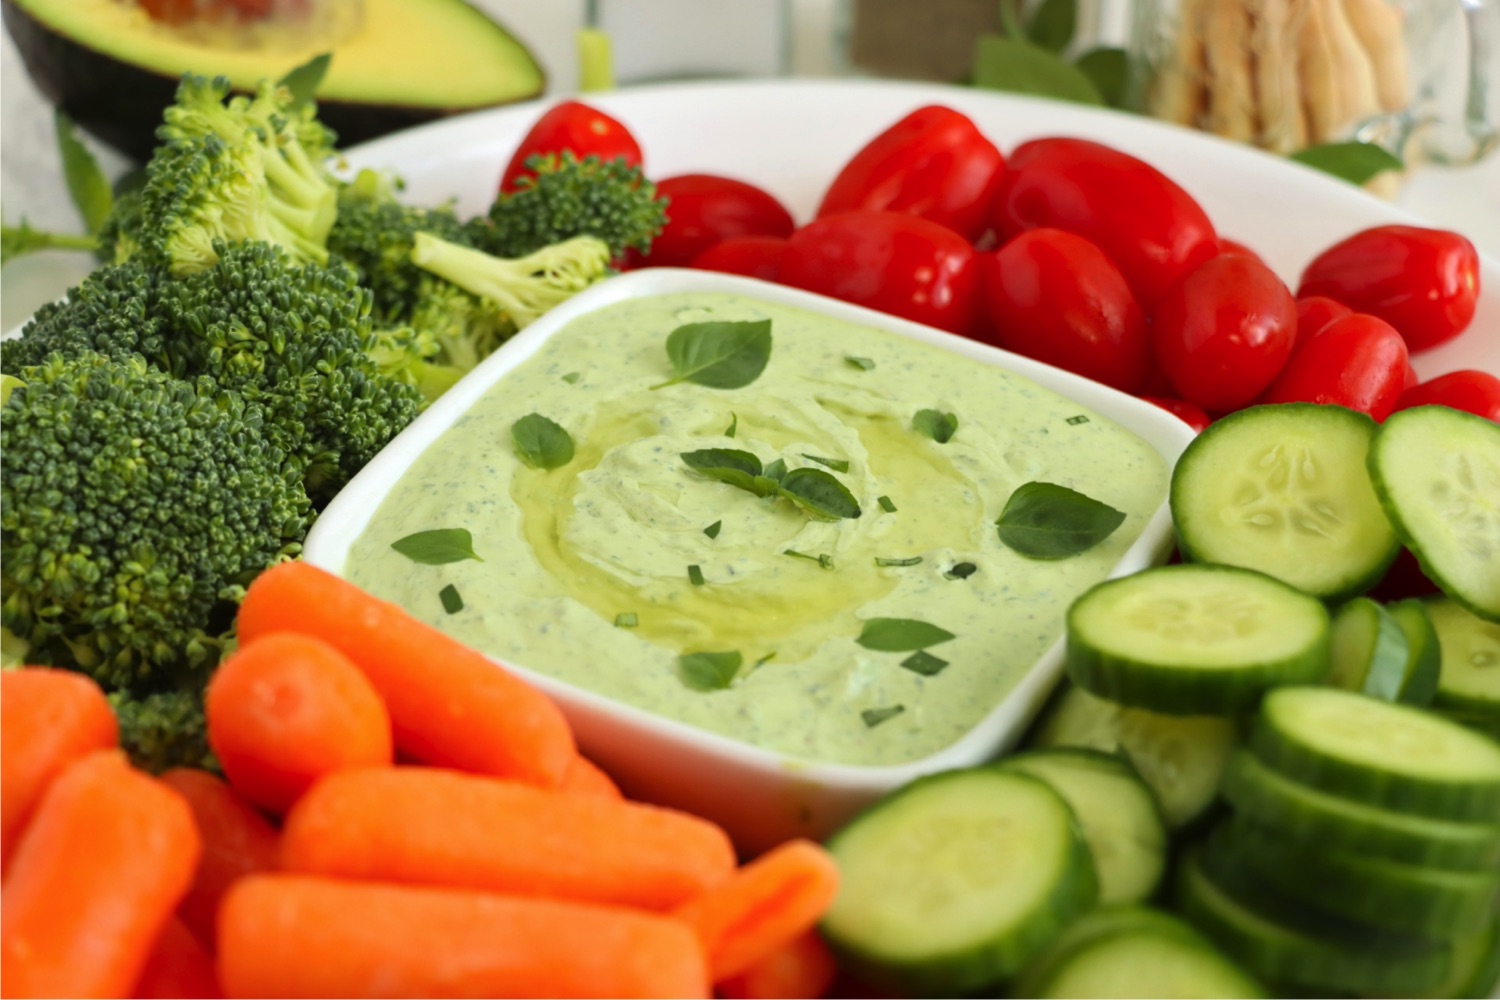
x: 1437, y: 472
x: 1195, y: 639
x: 1391, y: 756
x: 1283, y: 489
x: 1469, y: 679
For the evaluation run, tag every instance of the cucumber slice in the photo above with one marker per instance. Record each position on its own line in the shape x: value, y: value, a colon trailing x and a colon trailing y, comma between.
x: 1132, y: 951
x: 1385, y: 755
x: 1179, y: 757
x: 1277, y: 944
x: 1370, y: 651
x: 1195, y: 639
x: 957, y: 880
x: 1437, y: 473
x: 1469, y: 679
x: 1423, y: 654
x: 1283, y: 489
x: 1433, y: 902
x: 1304, y: 815
x: 1118, y: 815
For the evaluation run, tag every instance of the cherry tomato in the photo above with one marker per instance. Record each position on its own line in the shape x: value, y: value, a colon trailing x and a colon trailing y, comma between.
x: 934, y: 163
x: 1223, y: 333
x: 572, y: 125
x: 1055, y: 297
x: 752, y: 256
x: 1189, y: 414
x: 704, y: 209
x: 1227, y: 245
x: 1467, y: 389
x: 890, y: 261
x: 1152, y: 230
x: 1424, y: 282
x: 1358, y: 362
x: 1409, y: 379
x: 1315, y: 312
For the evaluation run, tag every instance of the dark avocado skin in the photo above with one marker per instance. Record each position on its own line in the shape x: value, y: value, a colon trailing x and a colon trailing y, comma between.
x: 121, y: 104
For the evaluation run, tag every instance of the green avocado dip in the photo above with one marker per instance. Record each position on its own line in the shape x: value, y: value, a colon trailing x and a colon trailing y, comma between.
x: 873, y: 639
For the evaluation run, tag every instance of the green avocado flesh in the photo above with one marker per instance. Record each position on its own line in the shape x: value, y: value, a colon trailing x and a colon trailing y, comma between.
x: 113, y: 69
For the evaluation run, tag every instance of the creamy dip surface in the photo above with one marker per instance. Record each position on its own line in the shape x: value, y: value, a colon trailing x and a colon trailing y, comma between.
x: 567, y: 553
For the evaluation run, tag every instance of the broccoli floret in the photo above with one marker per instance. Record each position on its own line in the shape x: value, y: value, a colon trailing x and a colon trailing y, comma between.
x: 248, y: 169
x: 134, y: 508
x: 522, y: 288
x: 110, y: 313
x: 164, y: 729
x: 569, y: 197
x: 120, y: 236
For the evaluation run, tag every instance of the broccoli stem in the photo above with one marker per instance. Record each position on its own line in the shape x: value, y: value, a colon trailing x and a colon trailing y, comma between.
x: 523, y: 287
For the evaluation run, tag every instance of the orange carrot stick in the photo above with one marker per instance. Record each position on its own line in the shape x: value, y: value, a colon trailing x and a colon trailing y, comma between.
x: 287, y: 935
x: 803, y: 968
x: 451, y: 707
x: 237, y: 841
x: 285, y: 710
x: 763, y: 907
x: 432, y: 827
x: 48, y: 719
x: 109, y: 853
x: 179, y: 968
x: 586, y: 778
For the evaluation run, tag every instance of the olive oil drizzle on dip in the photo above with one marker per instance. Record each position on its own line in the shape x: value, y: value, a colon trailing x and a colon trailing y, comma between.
x: 565, y: 551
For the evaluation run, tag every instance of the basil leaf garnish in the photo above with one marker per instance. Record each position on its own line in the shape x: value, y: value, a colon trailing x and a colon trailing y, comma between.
x: 572, y: 377
x: 720, y: 355
x: 1047, y: 521
x: 875, y: 716
x: 935, y: 424
x: 85, y: 180
x: 1355, y: 162
x: 1020, y: 67
x: 924, y: 663
x: 734, y: 424
x: 453, y: 601
x: 836, y: 464
x: 541, y: 443
x: 438, y: 547
x: 727, y: 465
x: 900, y: 635
x: 304, y: 80
x: 818, y: 493
x: 863, y: 364
x: 1108, y: 69
x: 709, y: 671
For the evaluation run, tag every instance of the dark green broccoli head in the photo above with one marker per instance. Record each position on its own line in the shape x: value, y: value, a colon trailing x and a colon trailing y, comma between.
x: 569, y: 197
x: 134, y: 508
x: 164, y: 729
x: 119, y: 237
x: 109, y: 313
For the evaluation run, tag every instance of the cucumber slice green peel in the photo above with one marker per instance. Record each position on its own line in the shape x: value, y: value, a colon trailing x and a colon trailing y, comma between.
x: 1437, y: 473
x: 1390, y: 756
x: 1195, y: 639
x: 1423, y: 653
x: 1370, y: 650
x: 957, y: 880
x: 1283, y: 489
x: 1469, y: 681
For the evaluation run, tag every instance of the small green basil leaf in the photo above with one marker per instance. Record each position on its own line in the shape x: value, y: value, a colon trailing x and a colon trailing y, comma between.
x: 453, y: 601
x: 900, y: 635
x: 87, y: 185
x: 709, y: 671
x: 763, y: 486
x: 541, y: 443
x: 438, y: 546
x: 1023, y: 68
x: 836, y: 464
x: 1047, y: 521
x: 776, y: 470
x: 712, y: 531
x: 1355, y: 162
x: 1109, y: 71
x: 572, y: 377
x: 924, y: 663
x: 720, y: 355
x: 1053, y: 24
x: 863, y: 364
x: 935, y: 424
x: 727, y: 465
x: 305, y: 80
x: 734, y: 424
x: 875, y: 716
x: 818, y: 493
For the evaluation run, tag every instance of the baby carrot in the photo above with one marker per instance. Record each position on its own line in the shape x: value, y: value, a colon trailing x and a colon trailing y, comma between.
x: 434, y: 827
x: 237, y: 841
x: 586, y: 778
x: 802, y: 968
x: 285, y: 710
x: 763, y: 907
x: 450, y: 706
x: 298, y: 936
x: 179, y: 968
x: 48, y: 719
x: 108, y: 855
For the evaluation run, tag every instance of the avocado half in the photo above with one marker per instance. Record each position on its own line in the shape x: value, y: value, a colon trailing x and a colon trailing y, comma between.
x: 114, y: 70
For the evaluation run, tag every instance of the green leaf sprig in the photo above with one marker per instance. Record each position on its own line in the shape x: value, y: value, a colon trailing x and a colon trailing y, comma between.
x: 709, y: 671
x: 720, y: 354
x: 816, y: 492
x: 900, y: 635
x: 935, y: 424
x: 1047, y: 521
x: 541, y: 443
x: 1355, y: 162
x: 1029, y: 58
x: 438, y: 547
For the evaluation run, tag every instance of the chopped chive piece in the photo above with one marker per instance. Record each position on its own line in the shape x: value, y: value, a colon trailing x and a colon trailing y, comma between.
x: 863, y: 364
x: 823, y: 559
x: 909, y: 561
x: 886, y: 505
x: 924, y: 663
x: 712, y: 531
x: 626, y: 619
x: 734, y: 424
x: 875, y: 716
x: 836, y: 464
x: 453, y: 601
x: 768, y: 657
x: 695, y: 575
x: 961, y: 571
x: 1080, y: 419
x: 572, y: 377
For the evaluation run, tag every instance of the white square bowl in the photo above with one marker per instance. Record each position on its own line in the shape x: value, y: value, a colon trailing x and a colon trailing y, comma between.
x: 761, y: 797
